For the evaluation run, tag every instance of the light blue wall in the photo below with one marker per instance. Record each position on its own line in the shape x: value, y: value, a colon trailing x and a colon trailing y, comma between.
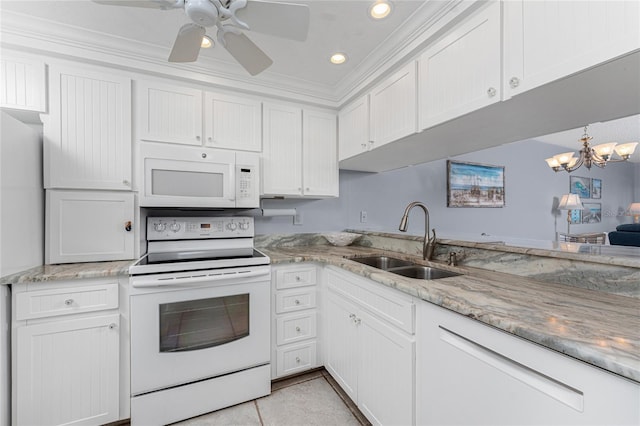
x: 530, y: 187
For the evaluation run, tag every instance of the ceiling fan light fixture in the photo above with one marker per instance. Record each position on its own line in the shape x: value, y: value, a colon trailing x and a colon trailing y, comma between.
x: 207, y: 42
x: 338, y: 58
x: 380, y: 9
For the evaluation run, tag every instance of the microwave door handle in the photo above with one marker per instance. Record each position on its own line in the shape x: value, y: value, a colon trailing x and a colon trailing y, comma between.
x: 209, y: 277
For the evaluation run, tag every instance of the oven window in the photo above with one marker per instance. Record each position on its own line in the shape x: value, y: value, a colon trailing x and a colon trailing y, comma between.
x: 203, y: 323
x: 186, y: 184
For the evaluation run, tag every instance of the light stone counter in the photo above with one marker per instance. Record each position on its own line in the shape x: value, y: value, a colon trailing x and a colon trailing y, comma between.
x: 596, y: 327
x: 69, y: 271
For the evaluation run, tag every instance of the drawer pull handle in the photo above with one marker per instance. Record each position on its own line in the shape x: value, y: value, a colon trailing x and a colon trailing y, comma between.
x: 298, y: 329
x: 297, y: 302
x: 68, y: 302
x: 298, y: 359
x: 112, y: 326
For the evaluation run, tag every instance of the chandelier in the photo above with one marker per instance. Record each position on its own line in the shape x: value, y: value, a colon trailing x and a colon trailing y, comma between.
x: 599, y: 155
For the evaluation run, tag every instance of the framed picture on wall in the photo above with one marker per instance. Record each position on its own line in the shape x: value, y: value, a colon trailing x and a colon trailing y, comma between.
x: 592, y: 213
x: 596, y: 188
x: 580, y: 185
x: 576, y: 216
x: 474, y: 185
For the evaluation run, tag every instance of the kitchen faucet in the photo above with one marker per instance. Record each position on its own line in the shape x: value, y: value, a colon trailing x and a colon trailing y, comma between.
x: 429, y: 244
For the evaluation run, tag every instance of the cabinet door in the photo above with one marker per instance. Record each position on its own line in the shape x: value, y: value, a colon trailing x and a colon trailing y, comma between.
x: 23, y: 83
x: 84, y: 226
x: 461, y: 72
x: 282, y: 150
x: 342, y: 343
x: 87, y: 136
x: 353, y: 125
x: 233, y: 122
x: 386, y: 391
x: 320, y: 156
x: 393, y: 107
x: 169, y: 113
x: 67, y: 372
x: 550, y: 39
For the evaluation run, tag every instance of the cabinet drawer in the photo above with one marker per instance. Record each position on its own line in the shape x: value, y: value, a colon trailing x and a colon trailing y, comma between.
x: 292, y: 328
x: 295, y: 358
x: 387, y: 304
x: 64, y: 301
x: 295, y: 277
x: 295, y: 300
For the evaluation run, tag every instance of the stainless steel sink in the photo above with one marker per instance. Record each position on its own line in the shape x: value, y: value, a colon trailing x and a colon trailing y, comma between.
x: 405, y: 268
x: 424, y: 272
x: 382, y: 262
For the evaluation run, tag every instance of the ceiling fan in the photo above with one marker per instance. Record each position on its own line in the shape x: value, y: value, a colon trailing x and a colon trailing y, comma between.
x: 230, y: 17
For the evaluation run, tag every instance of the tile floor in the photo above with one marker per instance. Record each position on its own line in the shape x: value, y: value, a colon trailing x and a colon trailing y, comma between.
x: 310, y: 399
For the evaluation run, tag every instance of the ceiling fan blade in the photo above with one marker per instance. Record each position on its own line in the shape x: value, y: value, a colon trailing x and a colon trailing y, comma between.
x: 285, y: 20
x: 187, y: 45
x: 250, y: 56
x: 150, y: 4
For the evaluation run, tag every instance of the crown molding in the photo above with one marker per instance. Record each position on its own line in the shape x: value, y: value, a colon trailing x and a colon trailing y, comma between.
x: 53, y: 39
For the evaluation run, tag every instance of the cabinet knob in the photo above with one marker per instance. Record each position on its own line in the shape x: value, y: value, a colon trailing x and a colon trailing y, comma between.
x: 297, y: 302
x: 128, y: 226
x: 298, y: 359
x: 204, y: 155
x: 352, y: 316
x: 298, y: 329
x: 363, y: 145
x: 112, y: 326
x: 126, y: 182
x: 197, y: 138
x: 210, y: 139
x: 307, y: 188
x: 68, y: 302
x: 514, y: 82
x: 298, y: 278
x: 491, y: 92
x: 357, y: 321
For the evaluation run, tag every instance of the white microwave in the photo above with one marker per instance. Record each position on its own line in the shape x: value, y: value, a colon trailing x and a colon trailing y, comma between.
x: 184, y: 176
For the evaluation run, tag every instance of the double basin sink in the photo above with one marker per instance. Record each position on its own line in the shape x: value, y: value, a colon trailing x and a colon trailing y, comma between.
x: 405, y: 268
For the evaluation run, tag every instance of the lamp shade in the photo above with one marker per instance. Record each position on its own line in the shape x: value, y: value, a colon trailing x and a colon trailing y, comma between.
x: 570, y: 202
x: 634, y: 208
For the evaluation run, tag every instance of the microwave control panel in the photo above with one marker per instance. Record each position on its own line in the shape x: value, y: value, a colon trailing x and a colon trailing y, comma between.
x: 193, y: 228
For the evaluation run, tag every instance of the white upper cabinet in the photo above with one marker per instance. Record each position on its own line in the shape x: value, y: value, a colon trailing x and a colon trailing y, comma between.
x: 167, y: 113
x: 353, y: 124
x: 551, y: 39
x: 282, y: 150
x: 320, y: 157
x: 87, y: 135
x: 461, y: 72
x: 233, y: 122
x: 22, y: 83
x: 296, y: 164
x: 393, y: 107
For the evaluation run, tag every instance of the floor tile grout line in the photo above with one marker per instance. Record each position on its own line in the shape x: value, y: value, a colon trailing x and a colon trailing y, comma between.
x: 255, y: 403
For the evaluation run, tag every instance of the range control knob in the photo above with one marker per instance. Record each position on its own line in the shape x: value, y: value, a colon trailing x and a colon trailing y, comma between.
x: 159, y: 226
x: 175, y: 226
x: 231, y: 226
x: 244, y: 226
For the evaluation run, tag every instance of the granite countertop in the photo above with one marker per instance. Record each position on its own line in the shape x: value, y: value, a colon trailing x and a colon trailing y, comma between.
x: 595, y: 327
x: 69, y: 271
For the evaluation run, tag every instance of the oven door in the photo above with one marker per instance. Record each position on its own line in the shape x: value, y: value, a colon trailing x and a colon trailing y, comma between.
x: 199, y: 328
x: 188, y: 177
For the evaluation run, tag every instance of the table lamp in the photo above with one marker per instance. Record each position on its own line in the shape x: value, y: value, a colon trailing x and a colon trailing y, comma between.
x: 570, y: 202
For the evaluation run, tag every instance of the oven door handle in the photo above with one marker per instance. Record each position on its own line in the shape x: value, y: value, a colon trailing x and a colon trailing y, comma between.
x: 193, y: 279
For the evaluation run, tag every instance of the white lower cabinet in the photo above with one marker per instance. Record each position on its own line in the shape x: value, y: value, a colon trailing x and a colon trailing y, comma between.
x: 470, y: 373
x: 67, y: 353
x: 370, y: 347
x: 295, y: 319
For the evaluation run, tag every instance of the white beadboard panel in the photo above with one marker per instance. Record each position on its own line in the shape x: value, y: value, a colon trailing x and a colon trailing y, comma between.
x: 87, y: 137
x: 320, y: 156
x: 22, y: 83
x: 169, y: 113
x: 73, y: 216
x: 233, y: 122
x: 461, y: 72
x: 282, y: 150
x: 68, y: 372
x: 549, y: 39
x: 353, y: 125
x: 48, y: 303
x: 393, y: 106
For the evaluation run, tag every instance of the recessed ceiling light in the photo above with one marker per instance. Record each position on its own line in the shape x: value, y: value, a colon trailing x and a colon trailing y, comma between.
x: 380, y: 9
x: 338, y: 58
x: 207, y: 42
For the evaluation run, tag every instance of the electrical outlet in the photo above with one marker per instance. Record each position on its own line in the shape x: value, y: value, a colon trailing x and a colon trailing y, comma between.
x: 363, y: 216
x: 297, y: 219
